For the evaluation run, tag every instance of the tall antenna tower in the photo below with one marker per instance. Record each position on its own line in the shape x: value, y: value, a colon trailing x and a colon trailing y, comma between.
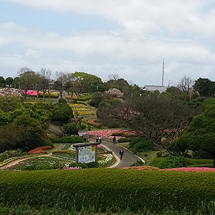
x: 163, y: 73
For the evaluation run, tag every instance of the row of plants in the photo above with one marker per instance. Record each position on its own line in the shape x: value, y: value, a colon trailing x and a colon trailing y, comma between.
x: 115, y: 189
x: 27, y: 210
x: 93, y: 122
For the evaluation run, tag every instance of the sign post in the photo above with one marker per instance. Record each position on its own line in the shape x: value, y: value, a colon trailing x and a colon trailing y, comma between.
x: 85, y: 152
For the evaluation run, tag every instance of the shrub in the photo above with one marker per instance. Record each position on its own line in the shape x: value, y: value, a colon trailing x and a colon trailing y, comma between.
x: 202, y: 155
x: 173, y: 162
x: 122, y: 140
x: 93, y: 164
x: 71, y: 128
x: 137, y: 163
x: 82, y: 165
x: 107, y: 188
x: 69, y: 139
x: 52, y: 137
x: 60, y: 135
x: 49, y: 143
x: 62, y: 113
x: 141, y: 146
x: 134, y: 141
x: 62, y: 101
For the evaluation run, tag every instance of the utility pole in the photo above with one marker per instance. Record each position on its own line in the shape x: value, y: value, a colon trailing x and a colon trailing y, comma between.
x: 163, y: 73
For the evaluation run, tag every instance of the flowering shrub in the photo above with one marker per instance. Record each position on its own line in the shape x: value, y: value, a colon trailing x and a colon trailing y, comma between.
x: 183, y: 169
x: 10, y: 91
x: 113, y: 92
x: 71, y: 168
x: 46, y: 147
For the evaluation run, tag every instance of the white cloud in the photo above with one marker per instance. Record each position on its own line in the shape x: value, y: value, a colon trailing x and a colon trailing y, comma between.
x: 177, y: 31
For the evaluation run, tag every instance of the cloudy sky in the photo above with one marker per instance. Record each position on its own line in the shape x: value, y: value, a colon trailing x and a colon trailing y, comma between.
x: 103, y: 37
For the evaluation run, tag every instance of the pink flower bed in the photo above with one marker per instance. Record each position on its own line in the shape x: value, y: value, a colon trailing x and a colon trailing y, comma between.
x: 182, y: 169
x: 106, y: 133
x: 32, y: 93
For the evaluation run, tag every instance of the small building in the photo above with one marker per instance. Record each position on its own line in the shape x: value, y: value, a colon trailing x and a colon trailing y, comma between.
x: 154, y: 88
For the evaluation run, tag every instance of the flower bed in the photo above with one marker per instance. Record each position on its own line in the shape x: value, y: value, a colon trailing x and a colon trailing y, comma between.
x: 10, y: 91
x: 183, y: 169
x: 81, y: 109
x: 106, y: 133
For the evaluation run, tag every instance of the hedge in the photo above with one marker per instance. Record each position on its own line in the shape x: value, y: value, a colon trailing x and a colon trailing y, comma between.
x: 115, y: 189
x: 70, y: 139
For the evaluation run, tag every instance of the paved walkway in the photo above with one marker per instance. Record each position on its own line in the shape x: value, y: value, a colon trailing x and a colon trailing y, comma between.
x: 127, y: 159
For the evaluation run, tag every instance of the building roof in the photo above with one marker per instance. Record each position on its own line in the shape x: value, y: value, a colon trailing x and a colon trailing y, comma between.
x: 160, y: 89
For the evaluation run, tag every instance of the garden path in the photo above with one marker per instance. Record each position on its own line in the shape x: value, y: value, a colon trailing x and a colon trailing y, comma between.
x: 127, y: 159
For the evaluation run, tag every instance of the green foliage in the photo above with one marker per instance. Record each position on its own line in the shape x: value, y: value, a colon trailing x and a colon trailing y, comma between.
x: 71, y: 128
x: 70, y: 139
x: 200, y: 130
x: 134, y: 141
x: 97, y: 97
x: 49, y: 143
x: 84, y: 97
x: 140, y: 145
x: 173, y: 162
x: 62, y: 113
x: 10, y: 103
x: 123, y: 140
x: 82, y: 165
x: 138, y: 163
x: 34, y: 136
x: 202, y: 155
x: 62, y: 101
x: 107, y: 188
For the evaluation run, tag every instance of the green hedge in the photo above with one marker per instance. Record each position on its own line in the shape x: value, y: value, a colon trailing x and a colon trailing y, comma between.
x: 70, y: 139
x: 115, y: 189
x: 123, y: 140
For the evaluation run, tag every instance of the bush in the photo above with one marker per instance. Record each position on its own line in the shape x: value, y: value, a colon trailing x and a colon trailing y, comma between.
x: 69, y: 139
x: 122, y: 140
x: 49, y: 143
x: 62, y: 101
x: 137, y: 163
x: 134, y: 141
x: 82, y: 165
x: 97, y: 97
x: 62, y: 113
x: 93, y: 165
x: 107, y: 188
x: 140, y: 145
x: 71, y: 128
x: 52, y: 137
x: 173, y: 162
x: 202, y: 155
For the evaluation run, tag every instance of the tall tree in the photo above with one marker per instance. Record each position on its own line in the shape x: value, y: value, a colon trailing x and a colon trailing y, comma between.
x: 204, y: 87
x: 200, y: 133
x: 27, y: 79
x: 60, y: 83
x: 149, y: 115
x: 9, y: 81
x: 2, y: 81
x: 87, y: 80
x: 45, y: 79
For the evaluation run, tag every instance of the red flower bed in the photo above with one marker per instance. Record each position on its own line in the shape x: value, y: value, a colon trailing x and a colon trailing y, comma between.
x: 39, y: 150
x: 46, y: 147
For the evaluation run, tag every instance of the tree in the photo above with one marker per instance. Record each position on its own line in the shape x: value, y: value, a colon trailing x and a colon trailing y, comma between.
x: 149, y: 115
x: 71, y: 79
x: 87, y: 80
x: 60, y: 83
x: 199, y: 135
x: 2, y: 81
x: 27, y: 79
x: 204, y: 87
x: 9, y: 81
x: 97, y: 97
x: 45, y: 76
x: 34, y: 136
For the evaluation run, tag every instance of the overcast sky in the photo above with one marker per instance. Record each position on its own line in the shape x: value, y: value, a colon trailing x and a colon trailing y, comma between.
x: 103, y: 37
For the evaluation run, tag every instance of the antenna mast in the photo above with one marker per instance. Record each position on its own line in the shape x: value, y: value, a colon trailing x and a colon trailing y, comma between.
x: 163, y: 73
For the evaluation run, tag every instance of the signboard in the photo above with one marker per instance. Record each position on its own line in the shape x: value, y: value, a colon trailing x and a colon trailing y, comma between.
x: 86, y: 154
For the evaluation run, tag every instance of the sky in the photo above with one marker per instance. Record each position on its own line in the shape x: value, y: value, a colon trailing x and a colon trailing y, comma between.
x: 130, y: 38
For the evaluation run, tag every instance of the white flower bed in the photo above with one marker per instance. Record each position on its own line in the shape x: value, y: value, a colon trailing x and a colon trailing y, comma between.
x: 107, y: 159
